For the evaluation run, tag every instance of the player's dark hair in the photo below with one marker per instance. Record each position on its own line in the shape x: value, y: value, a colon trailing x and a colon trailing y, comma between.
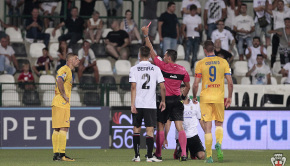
x: 287, y: 19
x: 260, y: 55
x: 172, y: 54
x: 243, y: 4
x: 193, y: 7
x: 208, y: 46
x: 170, y: 4
x: 144, y: 51
x: 45, y: 48
x: 69, y: 55
x: 256, y: 37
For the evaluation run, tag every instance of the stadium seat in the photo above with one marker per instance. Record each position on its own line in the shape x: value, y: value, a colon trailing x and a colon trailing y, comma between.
x: 31, y: 98
x: 204, y: 36
x: 53, y: 49
x: 10, y: 98
x: 105, y: 67
x: 200, y: 53
x: 53, y: 39
x: 21, y: 62
x: 245, y: 81
x: 276, y: 68
x: 122, y: 67
x: 269, y: 52
x: 99, y: 50
x: 114, y: 99
x: 125, y: 84
x: 35, y: 50
x: 20, y: 50
x: 273, y: 81
x: 134, y: 50
x: 241, y: 68
x: 75, y: 99
x: 180, y: 52
x: 7, y: 78
x: 109, y: 81
x: 157, y: 39
x: 127, y: 99
x: 106, y: 31
x: 15, y: 35
x: 92, y: 99
x: 186, y: 65
x: 235, y: 53
x: 283, y: 79
x: 88, y: 83
x: 47, y: 82
x: 47, y: 98
x: 76, y: 47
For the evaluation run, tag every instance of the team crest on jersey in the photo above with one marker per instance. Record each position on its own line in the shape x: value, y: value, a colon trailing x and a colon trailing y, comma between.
x: 278, y: 159
x: 63, y: 75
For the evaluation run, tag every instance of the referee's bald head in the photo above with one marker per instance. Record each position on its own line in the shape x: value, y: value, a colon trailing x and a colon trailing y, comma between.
x: 144, y: 52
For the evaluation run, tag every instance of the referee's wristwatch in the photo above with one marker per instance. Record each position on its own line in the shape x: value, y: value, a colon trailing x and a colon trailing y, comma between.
x: 145, y: 36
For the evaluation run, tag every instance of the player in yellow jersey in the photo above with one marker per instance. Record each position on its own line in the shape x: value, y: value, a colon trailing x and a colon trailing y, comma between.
x: 61, y: 107
x: 213, y: 70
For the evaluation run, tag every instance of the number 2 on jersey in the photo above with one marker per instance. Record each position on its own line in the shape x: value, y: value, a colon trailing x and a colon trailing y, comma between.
x: 144, y: 86
x: 212, y: 73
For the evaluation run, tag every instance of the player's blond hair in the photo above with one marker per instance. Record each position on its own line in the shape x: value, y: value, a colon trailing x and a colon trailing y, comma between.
x: 69, y: 56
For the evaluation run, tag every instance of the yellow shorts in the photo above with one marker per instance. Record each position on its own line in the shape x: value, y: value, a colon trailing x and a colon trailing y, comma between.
x: 60, y: 117
x: 212, y: 111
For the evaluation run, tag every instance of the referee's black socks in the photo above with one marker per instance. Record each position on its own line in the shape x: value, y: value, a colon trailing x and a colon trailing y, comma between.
x: 150, y: 145
x: 136, y: 142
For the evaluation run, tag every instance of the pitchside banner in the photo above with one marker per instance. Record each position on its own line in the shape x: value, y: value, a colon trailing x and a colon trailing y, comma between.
x: 263, y: 129
x: 31, y: 128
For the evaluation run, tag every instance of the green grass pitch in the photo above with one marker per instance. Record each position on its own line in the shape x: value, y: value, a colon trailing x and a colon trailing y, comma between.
x: 122, y: 157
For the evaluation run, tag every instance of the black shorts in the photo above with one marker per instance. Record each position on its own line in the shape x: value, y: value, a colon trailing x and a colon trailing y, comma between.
x: 40, y: 68
x: 149, y: 115
x: 174, y: 110
x: 194, y: 145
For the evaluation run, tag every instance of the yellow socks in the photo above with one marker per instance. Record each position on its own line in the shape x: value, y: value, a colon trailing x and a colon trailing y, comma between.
x: 62, y: 141
x: 208, y: 144
x: 219, y: 134
x: 55, y: 141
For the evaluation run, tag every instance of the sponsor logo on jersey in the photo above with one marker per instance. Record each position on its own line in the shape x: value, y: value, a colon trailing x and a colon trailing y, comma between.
x: 212, y: 86
x: 278, y: 159
x: 173, y: 76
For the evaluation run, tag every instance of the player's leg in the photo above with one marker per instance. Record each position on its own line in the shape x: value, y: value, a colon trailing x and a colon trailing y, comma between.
x: 137, y: 121
x: 55, y: 144
x: 219, y: 114
x: 206, y: 116
x: 196, y: 148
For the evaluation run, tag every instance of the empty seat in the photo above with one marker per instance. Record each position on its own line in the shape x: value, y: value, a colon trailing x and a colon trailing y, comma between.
x: 35, y: 50
x: 15, y: 35
x: 92, y: 99
x: 47, y: 98
x: 134, y: 50
x: 127, y: 99
x: 109, y: 81
x: 53, y: 39
x: 123, y: 67
x: 53, y: 49
x: 105, y: 67
x: 273, y: 81
x: 47, y: 82
x: 10, y: 98
x: 114, y: 99
x: 88, y: 82
x: 99, y: 50
x: 241, y: 68
x: 9, y: 79
x: 180, y: 52
x: 200, y: 53
x: 276, y: 68
x: 106, y: 31
x: 75, y: 99
x: 283, y: 79
x: 186, y: 65
x: 269, y: 52
x: 30, y: 97
x: 20, y: 50
x: 124, y: 83
x: 245, y: 81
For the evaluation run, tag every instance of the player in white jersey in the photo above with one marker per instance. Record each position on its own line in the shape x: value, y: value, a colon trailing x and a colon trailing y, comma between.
x: 144, y: 78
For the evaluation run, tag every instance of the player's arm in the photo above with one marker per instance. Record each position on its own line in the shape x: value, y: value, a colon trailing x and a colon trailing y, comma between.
x: 133, y: 97
x: 230, y: 90
x: 201, y: 122
x: 60, y: 86
x: 195, y: 87
x: 148, y: 43
x: 162, y: 105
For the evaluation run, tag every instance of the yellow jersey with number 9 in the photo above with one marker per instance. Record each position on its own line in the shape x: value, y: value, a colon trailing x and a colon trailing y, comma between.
x: 212, y: 70
x: 65, y: 74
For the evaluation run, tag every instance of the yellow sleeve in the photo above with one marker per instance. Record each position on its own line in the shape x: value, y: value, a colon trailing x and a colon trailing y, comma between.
x: 227, y: 68
x: 198, y: 70
x: 62, y: 73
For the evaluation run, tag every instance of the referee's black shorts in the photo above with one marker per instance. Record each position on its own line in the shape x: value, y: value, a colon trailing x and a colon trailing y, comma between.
x: 149, y: 116
x: 174, y: 110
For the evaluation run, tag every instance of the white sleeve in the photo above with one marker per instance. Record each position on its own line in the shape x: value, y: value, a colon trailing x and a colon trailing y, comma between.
x: 12, y: 51
x: 252, y: 22
x: 206, y: 5
x: 231, y: 37
x: 247, y: 51
x: 132, y: 75
x: 287, y: 66
x: 160, y: 77
x: 184, y: 20
x: 268, y: 70
x: 199, y: 20
x: 92, y: 55
x: 198, y: 114
x: 213, y: 37
x: 223, y: 5
x: 80, y: 54
x: 264, y: 51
